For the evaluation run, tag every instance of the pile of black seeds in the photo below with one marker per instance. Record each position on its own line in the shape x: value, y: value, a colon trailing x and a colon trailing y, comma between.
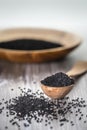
x: 58, y: 80
x: 28, y: 44
x: 29, y: 107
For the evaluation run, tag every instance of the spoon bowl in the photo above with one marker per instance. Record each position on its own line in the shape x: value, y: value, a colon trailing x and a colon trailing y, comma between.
x: 56, y: 92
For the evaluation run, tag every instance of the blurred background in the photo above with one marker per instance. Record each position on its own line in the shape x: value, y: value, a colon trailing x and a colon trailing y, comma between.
x: 67, y: 15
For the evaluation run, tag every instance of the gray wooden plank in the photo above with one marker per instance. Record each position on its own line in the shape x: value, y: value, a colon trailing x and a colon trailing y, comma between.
x: 25, y: 75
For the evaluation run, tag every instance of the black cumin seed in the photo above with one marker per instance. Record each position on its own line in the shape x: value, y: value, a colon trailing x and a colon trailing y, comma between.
x: 2, y: 108
x: 6, y: 127
x: 12, y: 113
x: 26, y: 125
x: 34, y: 82
x: 80, y: 118
x: 61, y: 124
x: 37, y: 108
x: 5, y: 102
x: 71, y: 122
x: 76, y: 114
x: 0, y: 111
x: 60, y: 111
x: 7, y: 115
x: 81, y: 114
x: 28, y: 44
x: 12, y: 89
x: 78, y: 110
x: 11, y: 120
x: 51, y: 127
x: 62, y: 120
x: 13, y: 123
x: 49, y: 122
x: 58, y: 80
x: 84, y: 105
x: 84, y: 121
x: 16, y: 123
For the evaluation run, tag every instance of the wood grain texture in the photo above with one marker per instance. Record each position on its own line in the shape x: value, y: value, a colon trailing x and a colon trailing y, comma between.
x: 25, y: 75
x: 56, y: 92
x: 68, y: 40
x: 79, y: 68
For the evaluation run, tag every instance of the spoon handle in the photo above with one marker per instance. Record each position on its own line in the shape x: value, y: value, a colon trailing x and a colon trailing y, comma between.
x: 78, y: 69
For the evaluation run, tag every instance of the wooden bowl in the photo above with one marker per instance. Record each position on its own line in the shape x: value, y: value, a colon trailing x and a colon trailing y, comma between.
x: 68, y: 40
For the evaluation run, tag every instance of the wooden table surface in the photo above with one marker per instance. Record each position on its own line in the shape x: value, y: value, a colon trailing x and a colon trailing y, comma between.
x: 13, y: 75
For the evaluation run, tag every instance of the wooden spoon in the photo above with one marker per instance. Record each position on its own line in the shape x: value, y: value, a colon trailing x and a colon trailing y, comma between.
x: 58, y: 92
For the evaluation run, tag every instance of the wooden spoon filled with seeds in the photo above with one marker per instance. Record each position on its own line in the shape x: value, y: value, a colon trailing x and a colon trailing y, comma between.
x: 60, y: 84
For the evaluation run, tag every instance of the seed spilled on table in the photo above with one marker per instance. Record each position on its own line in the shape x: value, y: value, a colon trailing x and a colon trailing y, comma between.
x: 29, y: 106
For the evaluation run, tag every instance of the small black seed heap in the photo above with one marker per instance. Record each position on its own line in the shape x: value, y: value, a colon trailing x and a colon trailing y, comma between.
x: 29, y: 106
x: 28, y: 44
x: 58, y: 80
